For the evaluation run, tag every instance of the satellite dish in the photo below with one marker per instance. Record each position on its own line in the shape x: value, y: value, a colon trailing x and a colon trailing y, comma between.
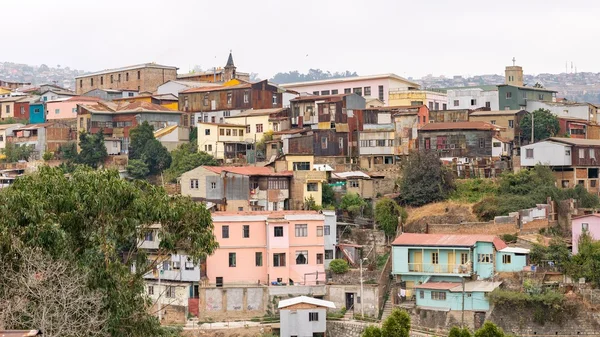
x: 249, y: 140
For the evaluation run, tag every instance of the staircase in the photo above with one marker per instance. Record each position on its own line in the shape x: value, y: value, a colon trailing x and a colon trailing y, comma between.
x: 387, y: 309
x: 349, y: 315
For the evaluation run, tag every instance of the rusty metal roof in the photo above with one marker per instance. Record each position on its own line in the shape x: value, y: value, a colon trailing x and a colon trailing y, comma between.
x: 479, y: 125
x: 575, y: 141
x: 446, y: 240
x: 495, y: 113
x: 133, y: 67
x: 126, y: 107
x: 257, y: 112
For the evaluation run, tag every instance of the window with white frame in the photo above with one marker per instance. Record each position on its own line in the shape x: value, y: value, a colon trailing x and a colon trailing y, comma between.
x: 302, y: 257
x: 170, y: 292
x: 585, y: 226
x: 484, y: 258
x: 319, y: 230
x: 301, y: 230
x: 194, y: 184
x: 353, y: 183
x: 438, y: 295
x: 313, y: 316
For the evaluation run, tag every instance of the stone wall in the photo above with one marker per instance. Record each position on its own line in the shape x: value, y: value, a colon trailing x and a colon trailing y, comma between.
x: 171, y: 314
x: 365, y: 237
x: 232, y: 302
x: 505, y: 225
x: 345, y: 329
x: 352, y: 276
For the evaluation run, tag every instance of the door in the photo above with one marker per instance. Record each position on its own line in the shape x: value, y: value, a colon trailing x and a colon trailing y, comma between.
x: 349, y: 301
x: 452, y: 262
x: 417, y: 264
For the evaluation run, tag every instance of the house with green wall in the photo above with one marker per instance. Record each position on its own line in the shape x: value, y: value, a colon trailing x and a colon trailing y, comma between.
x: 514, y: 97
x: 432, y: 267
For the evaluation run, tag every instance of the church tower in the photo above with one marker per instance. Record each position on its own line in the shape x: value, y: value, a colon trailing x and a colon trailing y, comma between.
x: 513, y: 75
x: 229, y: 70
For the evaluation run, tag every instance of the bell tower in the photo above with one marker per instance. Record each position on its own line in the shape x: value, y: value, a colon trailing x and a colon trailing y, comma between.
x: 513, y: 75
x: 229, y: 70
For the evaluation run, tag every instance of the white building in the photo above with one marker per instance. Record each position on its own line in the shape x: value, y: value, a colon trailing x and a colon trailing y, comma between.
x: 330, y: 236
x: 583, y: 111
x: 303, y: 316
x: 550, y: 152
x: 369, y: 87
x: 473, y: 98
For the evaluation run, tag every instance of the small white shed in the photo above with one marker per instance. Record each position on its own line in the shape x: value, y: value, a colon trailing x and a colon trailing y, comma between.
x: 303, y: 316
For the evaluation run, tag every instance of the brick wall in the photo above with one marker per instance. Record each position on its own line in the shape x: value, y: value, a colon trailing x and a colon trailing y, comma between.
x: 150, y: 79
x: 534, y: 226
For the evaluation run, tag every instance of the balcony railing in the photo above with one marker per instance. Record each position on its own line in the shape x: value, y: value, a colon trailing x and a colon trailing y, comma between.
x: 431, y: 268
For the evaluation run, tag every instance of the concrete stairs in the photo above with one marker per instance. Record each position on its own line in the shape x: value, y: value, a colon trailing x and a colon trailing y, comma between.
x: 349, y: 315
x: 387, y: 309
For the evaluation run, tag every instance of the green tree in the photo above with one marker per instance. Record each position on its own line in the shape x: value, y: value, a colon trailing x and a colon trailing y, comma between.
x: 139, y: 137
x: 93, y: 150
x: 67, y: 152
x: 311, y: 205
x: 95, y: 220
x: 261, y: 146
x: 339, y: 266
x: 458, y: 332
x: 489, y: 329
x: 587, y: 261
x: 137, y: 169
x: 156, y: 156
x: 15, y: 153
x: 545, y: 123
x: 185, y: 158
x: 327, y: 195
x: 387, y: 212
x: 194, y: 135
x: 353, y: 204
x: 397, y: 324
x: 424, y: 179
x: 372, y: 331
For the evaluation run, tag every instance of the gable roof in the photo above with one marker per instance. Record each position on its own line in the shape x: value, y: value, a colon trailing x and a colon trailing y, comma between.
x: 496, y: 113
x: 478, y: 125
x: 350, y: 79
x: 60, y: 92
x: 305, y: 299
x: 133, y: 67
x: 446, y: 240
x: 217, y: 88
x: 349, y: 175
x: 574, y: 141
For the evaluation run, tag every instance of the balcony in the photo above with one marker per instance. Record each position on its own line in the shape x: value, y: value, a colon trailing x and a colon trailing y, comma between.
x: 430, y: 268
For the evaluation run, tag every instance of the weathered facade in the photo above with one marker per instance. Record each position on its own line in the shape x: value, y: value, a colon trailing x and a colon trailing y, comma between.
x: 509, y: 120
x: 407, y: 120
x: 463, y: 139
x: 141, y: 78
x: 449, y: 116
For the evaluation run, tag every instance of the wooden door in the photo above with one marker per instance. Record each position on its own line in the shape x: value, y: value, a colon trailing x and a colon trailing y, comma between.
x: 418, y: 262
x: 451, y: 261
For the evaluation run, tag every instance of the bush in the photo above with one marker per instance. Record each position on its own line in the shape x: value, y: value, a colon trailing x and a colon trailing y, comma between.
x: 386, y: 216
x: 474, y: 190
x: 47, y: 156
x: 489, y: 329
x: 339, y: 266
x: 509, y: 238
x: 458, y: 332
x: 372, y: 331
x: 425, y: 179
x: 353, y: 204
x: 551, y: 303
x: 397, y: 324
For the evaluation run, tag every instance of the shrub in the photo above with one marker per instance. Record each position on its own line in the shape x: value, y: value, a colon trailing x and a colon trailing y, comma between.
x: 473, y: 190
x: 339, y: 266
x: 353, y: 204
x: 386, y: 216
x: 397, y: 324
x: 47, y: 156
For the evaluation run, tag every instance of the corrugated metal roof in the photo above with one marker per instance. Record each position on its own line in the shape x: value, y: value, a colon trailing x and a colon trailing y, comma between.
x: 350, y: 79
x: 219, y: 88
x: 126, y: 107
x: 575, y: 141
x: 257, y: 112
x: 515, y: 250
x: 6, y: 126
x: 248, y: 170
x: 479, y: 125
x: 446, y: 240
x: 477, y: 286
x: 165, y: 131
x: 495, y: 113
x: 136, y: 66
x: 305, y: 299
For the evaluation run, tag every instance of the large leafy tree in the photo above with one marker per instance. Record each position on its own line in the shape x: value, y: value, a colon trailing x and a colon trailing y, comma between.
x: 94, y: 220
x: 139, y: 136
x: 143, y: 146
x: 93, y: 150
x: 424, y: 179
x: 15, y: 153
x: 186, y: 157
x: 387, y: 212
x: 544, y: 122
x: 397, y: 324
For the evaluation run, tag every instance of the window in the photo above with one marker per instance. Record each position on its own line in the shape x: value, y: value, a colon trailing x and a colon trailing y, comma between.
x: 319, y: 230
x: 232, y: 260
x: 456, y: 102
x: 592, y: 154
x: 564, y: 183
x: 329, y: 254
x: 316, y: 93
x: 246, y: 231
x: 194, y: 184
x: 56, y: 111
x: 319, y: 258
x: 367, y: 91
x: 213, y: 185
x: 357, y: 91
x: 170, y: 293
x: 592, y: 183
x: 481, y: 143
x: 585, y: 226
x: 208, y: 148
x: 119, y: 79
x: 327, y: 230
x: 541, y: 97
x: 312, y: 187
x: 222, y: 132
x: 81, y: 83
x: 258, y: 259
x: 241, y: 133
x: 492, y: 122
x: 511, y: 123
x: 341, y: 143
x: 150, y: 290
x: 278, y: 231
x: 508, y: 95
x: 246, y: 96
x: 176, y: 265
x: 240, y: 209
x: 126, y: 77
x: 438, y: 295
x: 313, y: 316
x: 506, y: 259
x: 229, y: 97
x: 207, y: 132
x: 464, y: 258
x: 302, y: 257
x: 91, y: 81
x: 139, y: 75
x: 189, y: 265
x: 301, y: 166
x: 430, y: 105
x: 149, y: 236
x: 225, y: 232
x: 488, y: 105
x: 324, y: 92
x: 529, y: 153
x: 334, y: 92
x: 437, y: 106
x: 74, y: 110
x: 381, y: 93
x: 581, y: 153
x: 301, y: 231
x: 347, y: 91
x: 234, y: 132
x: 421, y: 294
x: 353, y: 183
x: 484, y: 258
x: 497, y: 144
x: 227, y: 132
x: 279, y: 260
x: 435, y: 258
x: 205, y: 100
x: 101, y: 80
x: 444, y: 107
x: 323, y: 143
x: 259, y: 128
x: 473, y: 102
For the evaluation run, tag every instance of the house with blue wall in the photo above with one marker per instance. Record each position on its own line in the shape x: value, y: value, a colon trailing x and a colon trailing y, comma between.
x: 430, y: 267
x: 37, y: 112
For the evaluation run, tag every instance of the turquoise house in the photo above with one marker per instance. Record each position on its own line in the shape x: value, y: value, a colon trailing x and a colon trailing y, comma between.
x: 431, y: 266
x: 37, y: 112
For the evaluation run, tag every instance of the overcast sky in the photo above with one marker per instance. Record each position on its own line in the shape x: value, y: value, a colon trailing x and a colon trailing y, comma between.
x: 409, y: 38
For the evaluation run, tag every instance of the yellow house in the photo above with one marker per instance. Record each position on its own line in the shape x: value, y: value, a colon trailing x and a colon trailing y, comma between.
x: 4, y: 92
x: 169, y: 101
x: 223, y: 141
x: 259, y: 121
x: 434, y: 100
x: 306, y: 183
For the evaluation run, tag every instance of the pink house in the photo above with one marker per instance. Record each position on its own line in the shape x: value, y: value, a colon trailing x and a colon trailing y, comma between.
x: 589, y: 223
x: 280, y: 247
x: 66, y: 108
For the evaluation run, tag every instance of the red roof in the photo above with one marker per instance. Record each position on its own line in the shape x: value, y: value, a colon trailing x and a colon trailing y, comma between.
x: 459, y: 126
x: 248, y: 170
x: 446, y: 240
x: 438, y: 285
x: 84, y: 99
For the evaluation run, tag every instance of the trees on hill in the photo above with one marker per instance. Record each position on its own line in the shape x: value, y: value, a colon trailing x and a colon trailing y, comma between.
x: 424, y: 179
x: 387, y: 212
x: 186, y: 157
x: 91, y: 221
x: 545, y: 125
x: 92, y: 149
x: 144, y: 147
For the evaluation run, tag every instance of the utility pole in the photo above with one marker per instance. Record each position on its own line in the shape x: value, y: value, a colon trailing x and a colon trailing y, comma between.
x: 532, y: 129
x: 159, y: 297
x: 462, y: 320
x: 362, y: 305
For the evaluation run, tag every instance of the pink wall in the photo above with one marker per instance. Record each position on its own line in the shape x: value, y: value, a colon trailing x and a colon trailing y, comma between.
x: 65, y: 109
x: 593, y: 224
